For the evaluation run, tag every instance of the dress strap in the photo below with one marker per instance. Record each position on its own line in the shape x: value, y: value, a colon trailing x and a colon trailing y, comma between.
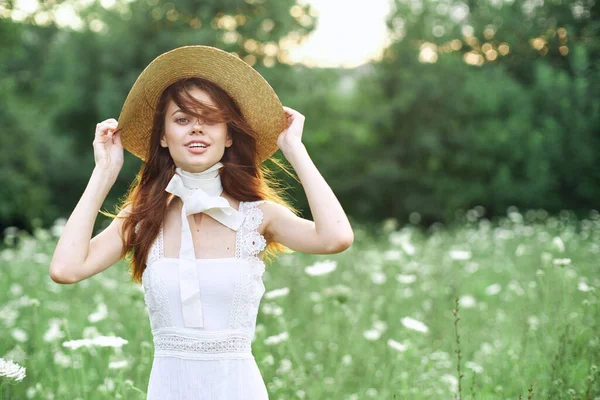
x: 157, y: 250
x: 249, y: 241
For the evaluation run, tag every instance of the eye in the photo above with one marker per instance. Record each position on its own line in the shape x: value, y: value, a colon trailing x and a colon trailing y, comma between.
x: 179, y: 119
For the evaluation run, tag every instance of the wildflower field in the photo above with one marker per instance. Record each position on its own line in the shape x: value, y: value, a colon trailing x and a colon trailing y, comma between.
x: 501, y: 309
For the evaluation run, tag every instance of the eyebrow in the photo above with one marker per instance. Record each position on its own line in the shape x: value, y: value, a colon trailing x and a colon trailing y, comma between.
x: 174, y: 112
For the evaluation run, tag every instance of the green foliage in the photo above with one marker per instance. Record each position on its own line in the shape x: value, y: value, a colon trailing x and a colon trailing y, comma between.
x: 396, y: 138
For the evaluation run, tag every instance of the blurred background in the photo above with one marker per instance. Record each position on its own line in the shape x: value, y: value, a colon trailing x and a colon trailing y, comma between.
x: 462, y: 138
x: 414, y: 109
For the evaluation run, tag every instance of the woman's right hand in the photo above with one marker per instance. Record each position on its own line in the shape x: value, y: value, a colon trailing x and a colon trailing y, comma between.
x: 108, y: 150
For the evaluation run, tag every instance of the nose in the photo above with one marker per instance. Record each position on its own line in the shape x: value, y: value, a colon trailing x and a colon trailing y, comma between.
x: 196, y: 126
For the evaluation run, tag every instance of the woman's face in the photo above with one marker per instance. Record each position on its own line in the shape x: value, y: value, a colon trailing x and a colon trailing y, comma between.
x: 181, y: 129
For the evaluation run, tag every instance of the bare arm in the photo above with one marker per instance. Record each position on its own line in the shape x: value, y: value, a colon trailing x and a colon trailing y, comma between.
x: 331, y: 231
x: 76, y: 257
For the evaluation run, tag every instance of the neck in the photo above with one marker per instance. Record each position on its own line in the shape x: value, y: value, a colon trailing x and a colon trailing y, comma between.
x: 208, y: 180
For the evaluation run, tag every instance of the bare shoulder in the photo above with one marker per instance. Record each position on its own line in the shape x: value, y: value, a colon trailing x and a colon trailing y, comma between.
x: 272, y: 211
x: 120, y: 219
x: 125, y: 211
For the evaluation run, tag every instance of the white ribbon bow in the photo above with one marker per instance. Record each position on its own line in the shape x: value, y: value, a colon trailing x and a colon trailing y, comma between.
x: 200, y: 192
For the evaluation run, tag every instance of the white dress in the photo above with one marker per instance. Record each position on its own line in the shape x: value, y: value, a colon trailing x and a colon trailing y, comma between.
x: 214, y: 362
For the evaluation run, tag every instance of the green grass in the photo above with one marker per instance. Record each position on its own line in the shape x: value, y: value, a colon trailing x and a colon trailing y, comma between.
x: 526, y: 324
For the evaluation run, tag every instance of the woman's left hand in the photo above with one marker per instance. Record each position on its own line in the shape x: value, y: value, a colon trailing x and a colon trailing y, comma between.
x: 291, y: 138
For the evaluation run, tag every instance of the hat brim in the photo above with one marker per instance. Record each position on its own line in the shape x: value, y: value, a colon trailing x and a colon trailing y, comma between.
x: 257, y: 100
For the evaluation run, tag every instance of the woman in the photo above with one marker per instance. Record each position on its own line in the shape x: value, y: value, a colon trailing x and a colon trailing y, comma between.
x: 201, y: 215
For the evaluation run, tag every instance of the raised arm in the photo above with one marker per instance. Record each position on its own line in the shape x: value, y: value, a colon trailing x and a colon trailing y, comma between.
x: 76, y: 257
x: 330, y: 232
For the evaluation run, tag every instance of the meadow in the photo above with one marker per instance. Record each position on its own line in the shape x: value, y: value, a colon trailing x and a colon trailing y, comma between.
x: 479, y: 309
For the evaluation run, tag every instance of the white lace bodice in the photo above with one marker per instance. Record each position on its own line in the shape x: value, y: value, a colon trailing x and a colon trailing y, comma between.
x: 231, y: 290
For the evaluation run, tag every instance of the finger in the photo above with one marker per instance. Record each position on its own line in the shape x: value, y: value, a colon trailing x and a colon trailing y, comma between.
x: 117, y: 137
x: 108, y: 122
x: 105, y: 128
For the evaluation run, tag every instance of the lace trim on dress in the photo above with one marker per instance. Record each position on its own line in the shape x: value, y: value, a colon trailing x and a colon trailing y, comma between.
x: 156, y: 300
x: 157, y: 249
x: 250, y: 287
x: 202, y: 345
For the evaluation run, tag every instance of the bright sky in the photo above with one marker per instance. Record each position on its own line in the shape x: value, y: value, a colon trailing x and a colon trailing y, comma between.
x: 348, y: 33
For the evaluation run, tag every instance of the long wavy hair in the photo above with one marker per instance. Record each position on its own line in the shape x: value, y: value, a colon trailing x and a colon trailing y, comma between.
x: 243, y: 177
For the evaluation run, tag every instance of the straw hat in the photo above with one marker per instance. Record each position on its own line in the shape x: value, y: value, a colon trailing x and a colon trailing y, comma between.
x: 253, y: 94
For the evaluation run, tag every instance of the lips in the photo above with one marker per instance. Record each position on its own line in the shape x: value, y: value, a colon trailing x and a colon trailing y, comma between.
x: 197, y: 150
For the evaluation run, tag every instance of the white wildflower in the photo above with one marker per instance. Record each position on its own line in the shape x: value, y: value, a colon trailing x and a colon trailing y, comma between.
x: 397, y: 345
x: 25, y: 301
x: 58, y: 227
x: 62, y: 359
x: 396, y: 238
x: 493, y: 289
x: 533, y: 322
x: 558, y: 243
x: 16, y: 289
x: 19, y: 335
x: 408, y: 247
x: 413, y: 324
x: 381, y: 326
x: 53, y: 333
x: 276, y: 339
x: 285, y: 366
x: 118, y: 364
x: 487, y: 348
x: 515, y: 217
x: 378, y: 278
x: 268, y: 360
x: 277, y: 293
x: 467, y: 301
x: 582, y: 286
x: 452, y: 381
x: 515, y: 286
x: 11, y: 370
x: 100, y: 341
x: 321, y: 268
x: 100, y: 313
x: 272, y: 309
x: 475, y: 367
x: 107, y: 386
x: 561, y: 261
x: 90, y: 332
x: 372, y: 334
x: 460, y: 254
x: 33, y: 390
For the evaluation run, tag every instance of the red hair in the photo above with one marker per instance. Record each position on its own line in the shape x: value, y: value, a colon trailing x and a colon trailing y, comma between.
x: 242, y: 176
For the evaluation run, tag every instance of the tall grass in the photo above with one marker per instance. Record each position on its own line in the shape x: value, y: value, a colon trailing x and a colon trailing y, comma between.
x: 379, y: 320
